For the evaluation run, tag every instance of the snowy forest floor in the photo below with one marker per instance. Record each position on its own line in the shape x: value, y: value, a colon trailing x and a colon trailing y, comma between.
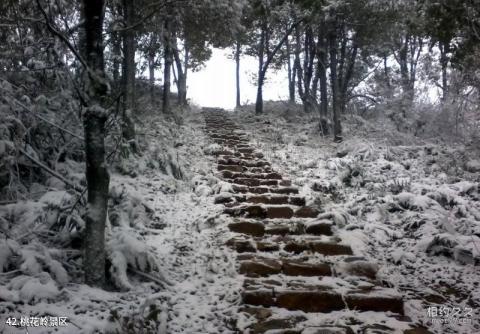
x: 408, y: 204
x: 411, y: 206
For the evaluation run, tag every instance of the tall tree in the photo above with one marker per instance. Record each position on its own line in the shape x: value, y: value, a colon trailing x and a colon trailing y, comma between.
x: 270, y: 18
x: 238, y: 52
x: 442, y: 26
x: 128, y: 73
x: 332, y: 44
x: 168, y: 61
x: 95, y: 117
x: 322, y: 54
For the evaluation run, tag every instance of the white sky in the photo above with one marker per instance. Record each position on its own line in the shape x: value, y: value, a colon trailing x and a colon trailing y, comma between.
x: 214, y: 84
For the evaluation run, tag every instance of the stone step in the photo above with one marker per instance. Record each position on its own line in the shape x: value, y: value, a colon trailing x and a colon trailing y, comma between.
x: 259, y: 182
x: 221, y: 152
x: 260, y: 170
x: 247, y: 150
x: 324, y: 301
x: 262, y: 267
x: 322, y: 247
x: 263, y: 190
x: 259, y: 229
x: 327, y: 248
x: 234, y: 144
x: 272, y: 199
x: 255, y: 229
x: 262, y: 212
x: 231, y: 168
x: 227, y: 141
x: 224, y: 200
x: 279, y: 190
x: 280, y: 229
x: 320, y: 227
x: 241, y: 245
x: 271, y: 212
x: 236, y: 161
x: 268, y: 321
x: 298, y: 268
x: 225, y: 137
x: 245, y: 175
x: 252, y: 156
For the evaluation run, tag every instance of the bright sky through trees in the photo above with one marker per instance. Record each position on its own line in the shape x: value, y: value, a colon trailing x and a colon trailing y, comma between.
x: 214, y: 85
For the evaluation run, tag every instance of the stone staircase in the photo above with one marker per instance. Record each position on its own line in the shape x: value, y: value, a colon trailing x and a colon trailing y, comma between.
x: 291, y: 260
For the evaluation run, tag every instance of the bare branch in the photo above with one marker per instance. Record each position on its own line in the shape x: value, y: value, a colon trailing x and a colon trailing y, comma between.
x: 57, y: 33
x: 51, y: 171
x: 46, y: 120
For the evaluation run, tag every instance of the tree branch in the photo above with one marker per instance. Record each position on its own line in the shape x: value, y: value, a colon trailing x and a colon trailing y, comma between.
x: 51, y: 171
x: 278, y: 46
x: 62, y: 36
x: 46, y: 120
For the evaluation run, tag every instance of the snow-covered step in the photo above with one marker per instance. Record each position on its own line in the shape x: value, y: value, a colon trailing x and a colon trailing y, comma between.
x: 261, y: 266
x: 309, y: 299
x: 272, y: 211
x: 322, y: 247
x: 263, y: 189
x: 268, y: 227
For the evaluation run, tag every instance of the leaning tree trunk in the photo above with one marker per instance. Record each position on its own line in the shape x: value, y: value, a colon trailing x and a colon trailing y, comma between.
x: 337, y: 127
x: 237, y: 73
x: 94, y: 125
x: 168, y: 61
x: 128, y: 127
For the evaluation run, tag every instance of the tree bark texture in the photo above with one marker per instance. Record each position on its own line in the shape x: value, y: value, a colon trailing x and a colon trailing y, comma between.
x: 128, y: 74
x: 168, y: 61
x: 94, y: 126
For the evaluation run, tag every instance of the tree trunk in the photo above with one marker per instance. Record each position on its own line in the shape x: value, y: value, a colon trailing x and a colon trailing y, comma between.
x: 322, y: 75
x: 291, y: 74
x: 444, y: 48
x: 167, y: 68
x: 116, y: 51
x: 185, y: 71
x: 308, y: 76
x: 94, y: 126
x: 237, y: 73
x: 337, y: 127
x: 129, y: 67
x: 263, y: 65
x: 181, y: 79
x: 261, y: 77
x: 151, y: 75
x: 386, y: 72
x: 297, y: 67
x: 404, y: 72
x: 347, y: 76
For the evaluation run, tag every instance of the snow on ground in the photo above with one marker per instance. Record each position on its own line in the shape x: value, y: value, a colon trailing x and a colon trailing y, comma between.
x: 410, y: 205
x: 162, y: 221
